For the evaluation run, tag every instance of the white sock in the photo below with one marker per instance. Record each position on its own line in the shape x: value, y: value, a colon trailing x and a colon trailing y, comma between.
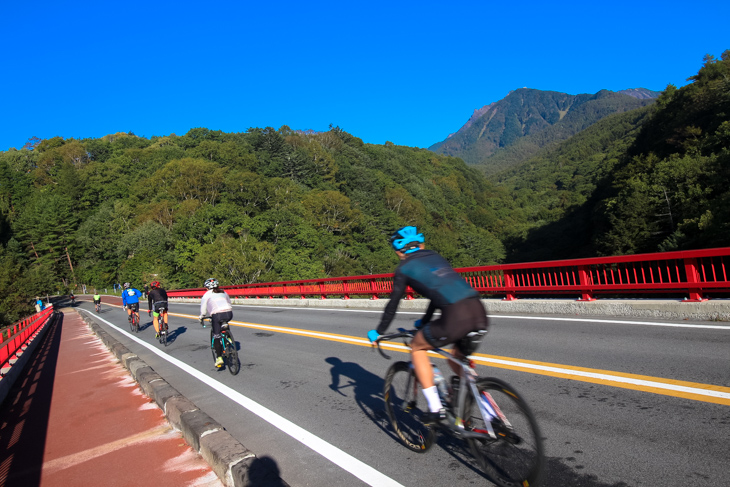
x: 432, y: 396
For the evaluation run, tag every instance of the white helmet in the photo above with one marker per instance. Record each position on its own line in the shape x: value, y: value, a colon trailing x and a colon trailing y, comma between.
x: 211, y: 283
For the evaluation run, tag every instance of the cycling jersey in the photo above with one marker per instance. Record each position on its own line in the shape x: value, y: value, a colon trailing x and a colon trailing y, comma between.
x: 130, y: 296
x: 431, y: 276
x: 215, y: 303
x: 157, y: 297
x: 97, y: 299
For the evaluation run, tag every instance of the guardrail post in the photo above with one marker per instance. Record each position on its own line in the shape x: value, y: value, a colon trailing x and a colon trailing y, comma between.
x: 693, y: 274
x: 509, y: 282
x: 373, y: 290
x: 585, y: 283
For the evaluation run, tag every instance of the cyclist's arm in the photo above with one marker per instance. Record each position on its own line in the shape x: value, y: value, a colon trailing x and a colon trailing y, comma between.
x: 399, y: 289
x: 429, y: 313
x: 204, y: 304
x: 149, y: 301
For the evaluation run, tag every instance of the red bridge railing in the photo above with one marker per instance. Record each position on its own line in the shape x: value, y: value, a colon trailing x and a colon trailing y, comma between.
x: 694, y: 275
x: 15, y: 338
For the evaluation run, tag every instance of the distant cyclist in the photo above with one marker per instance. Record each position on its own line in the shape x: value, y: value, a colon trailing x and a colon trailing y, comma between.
x: 97, y: 300
x: 462, y: 312
x: 73, y: 299
x: 130, y: 300
x: 217, y: 305
x: 157, y: 303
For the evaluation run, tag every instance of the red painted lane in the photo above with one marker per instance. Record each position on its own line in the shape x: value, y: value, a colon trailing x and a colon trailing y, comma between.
x: 76, y: 417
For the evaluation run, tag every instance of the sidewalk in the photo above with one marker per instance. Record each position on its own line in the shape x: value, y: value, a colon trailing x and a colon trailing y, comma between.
x: 76, y: 417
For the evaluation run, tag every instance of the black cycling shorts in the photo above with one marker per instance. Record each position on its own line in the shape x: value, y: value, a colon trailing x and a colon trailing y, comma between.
x: 219, y: 318
x: 456, y: 324
x: 134, y: 307
x: 97, y: 301
x: 157, y: 306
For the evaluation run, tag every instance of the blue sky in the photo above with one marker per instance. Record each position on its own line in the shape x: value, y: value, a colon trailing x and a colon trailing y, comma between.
x: 406, y: 72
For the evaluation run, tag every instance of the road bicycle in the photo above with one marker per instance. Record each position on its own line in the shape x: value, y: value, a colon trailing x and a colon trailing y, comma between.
x: 134, y: 321
x: 486, y: 412
x: 230, y: 354
x: 98, y: 307
x: 162, y: 326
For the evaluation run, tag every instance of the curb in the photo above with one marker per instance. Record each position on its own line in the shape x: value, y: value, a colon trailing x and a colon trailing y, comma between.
x: 232, y: 462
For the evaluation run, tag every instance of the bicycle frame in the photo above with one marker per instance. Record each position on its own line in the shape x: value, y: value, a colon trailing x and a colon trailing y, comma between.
x: 487, y: 407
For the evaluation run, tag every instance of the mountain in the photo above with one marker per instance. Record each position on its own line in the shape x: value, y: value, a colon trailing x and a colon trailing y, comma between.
x: 503, y: 134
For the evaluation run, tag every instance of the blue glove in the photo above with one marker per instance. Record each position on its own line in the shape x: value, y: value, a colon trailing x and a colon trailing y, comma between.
x: 373, y: 335
x: 418, y: 324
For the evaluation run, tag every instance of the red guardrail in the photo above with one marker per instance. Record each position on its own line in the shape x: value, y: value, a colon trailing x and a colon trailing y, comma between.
x: 691, y: 274
x: 18, y: 335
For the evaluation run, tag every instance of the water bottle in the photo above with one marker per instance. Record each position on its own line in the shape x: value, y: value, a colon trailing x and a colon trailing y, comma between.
x: 438, y: 380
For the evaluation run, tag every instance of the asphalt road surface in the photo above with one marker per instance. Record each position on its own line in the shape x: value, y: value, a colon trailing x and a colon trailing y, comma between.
x: 620, y: 402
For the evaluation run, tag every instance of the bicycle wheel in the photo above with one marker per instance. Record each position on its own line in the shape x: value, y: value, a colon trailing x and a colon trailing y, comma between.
x: 231, y: 355
x: 136, y: 322
x: 516, y: 457
x: 402, y: 405
x: 163, y: 330
x: 131, y: 322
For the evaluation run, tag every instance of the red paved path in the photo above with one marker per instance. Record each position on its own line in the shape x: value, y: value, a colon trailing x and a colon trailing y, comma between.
x: 75, y: 417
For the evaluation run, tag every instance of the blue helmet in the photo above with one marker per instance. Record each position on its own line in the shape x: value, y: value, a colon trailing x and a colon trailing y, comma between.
x: 406, y: 239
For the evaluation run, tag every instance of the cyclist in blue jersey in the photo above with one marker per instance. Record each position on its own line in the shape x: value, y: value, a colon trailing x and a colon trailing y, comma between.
x: 130, y: 300
x: 462, y: 312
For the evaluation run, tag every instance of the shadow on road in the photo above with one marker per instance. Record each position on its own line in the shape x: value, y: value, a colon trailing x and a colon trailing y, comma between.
x: 24, y: 413
x: 367, y: 388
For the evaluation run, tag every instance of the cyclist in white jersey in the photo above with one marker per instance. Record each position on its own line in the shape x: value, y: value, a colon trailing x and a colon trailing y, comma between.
x: 217, y: 305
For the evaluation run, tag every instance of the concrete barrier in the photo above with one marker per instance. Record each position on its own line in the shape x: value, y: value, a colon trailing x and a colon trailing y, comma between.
x: 669, y: 309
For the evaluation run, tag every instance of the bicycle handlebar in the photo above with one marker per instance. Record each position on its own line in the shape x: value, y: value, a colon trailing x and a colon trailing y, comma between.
x: 402, y: 333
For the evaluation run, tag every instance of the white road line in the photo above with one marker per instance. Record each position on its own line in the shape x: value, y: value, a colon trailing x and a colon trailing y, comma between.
x: 347, y: 462
x: 509, y: 317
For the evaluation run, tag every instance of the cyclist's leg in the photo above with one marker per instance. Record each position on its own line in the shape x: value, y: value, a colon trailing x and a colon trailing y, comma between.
x: 155, y: 314
x: 424, y: 371
x: 463, y: 318
x: 216, y: 330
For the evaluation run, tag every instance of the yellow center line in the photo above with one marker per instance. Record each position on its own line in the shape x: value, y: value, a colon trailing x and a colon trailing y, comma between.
x: 658, y: 385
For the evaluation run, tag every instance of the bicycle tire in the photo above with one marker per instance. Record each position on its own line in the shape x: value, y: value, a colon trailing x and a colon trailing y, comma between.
x: 517, y: 457
x: 234, y: 366
x: 163, y: 330
x: 131, y: 322
x: 402, y: 405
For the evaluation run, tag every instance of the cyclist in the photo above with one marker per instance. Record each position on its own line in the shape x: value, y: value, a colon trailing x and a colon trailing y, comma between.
x: 73, y: 299
x: 97, y: 299
x: 462, y: 312
x: 130, y: 300
x: 217, y: 305
x: 157, y: 301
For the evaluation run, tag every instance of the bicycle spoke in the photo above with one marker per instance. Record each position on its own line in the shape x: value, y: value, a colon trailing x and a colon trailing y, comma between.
x: 514, y: 457
x: 401, y: 402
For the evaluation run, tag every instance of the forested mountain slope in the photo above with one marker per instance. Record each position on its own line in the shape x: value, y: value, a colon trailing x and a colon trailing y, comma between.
x: 263, y: 205
x: 648, y: 180
x: 508, y: 132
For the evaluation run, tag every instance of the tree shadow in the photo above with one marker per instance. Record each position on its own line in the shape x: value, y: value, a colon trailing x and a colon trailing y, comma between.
x: 25, y: 412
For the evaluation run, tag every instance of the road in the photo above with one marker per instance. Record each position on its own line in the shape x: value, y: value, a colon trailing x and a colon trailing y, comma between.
x: 620, y: 402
